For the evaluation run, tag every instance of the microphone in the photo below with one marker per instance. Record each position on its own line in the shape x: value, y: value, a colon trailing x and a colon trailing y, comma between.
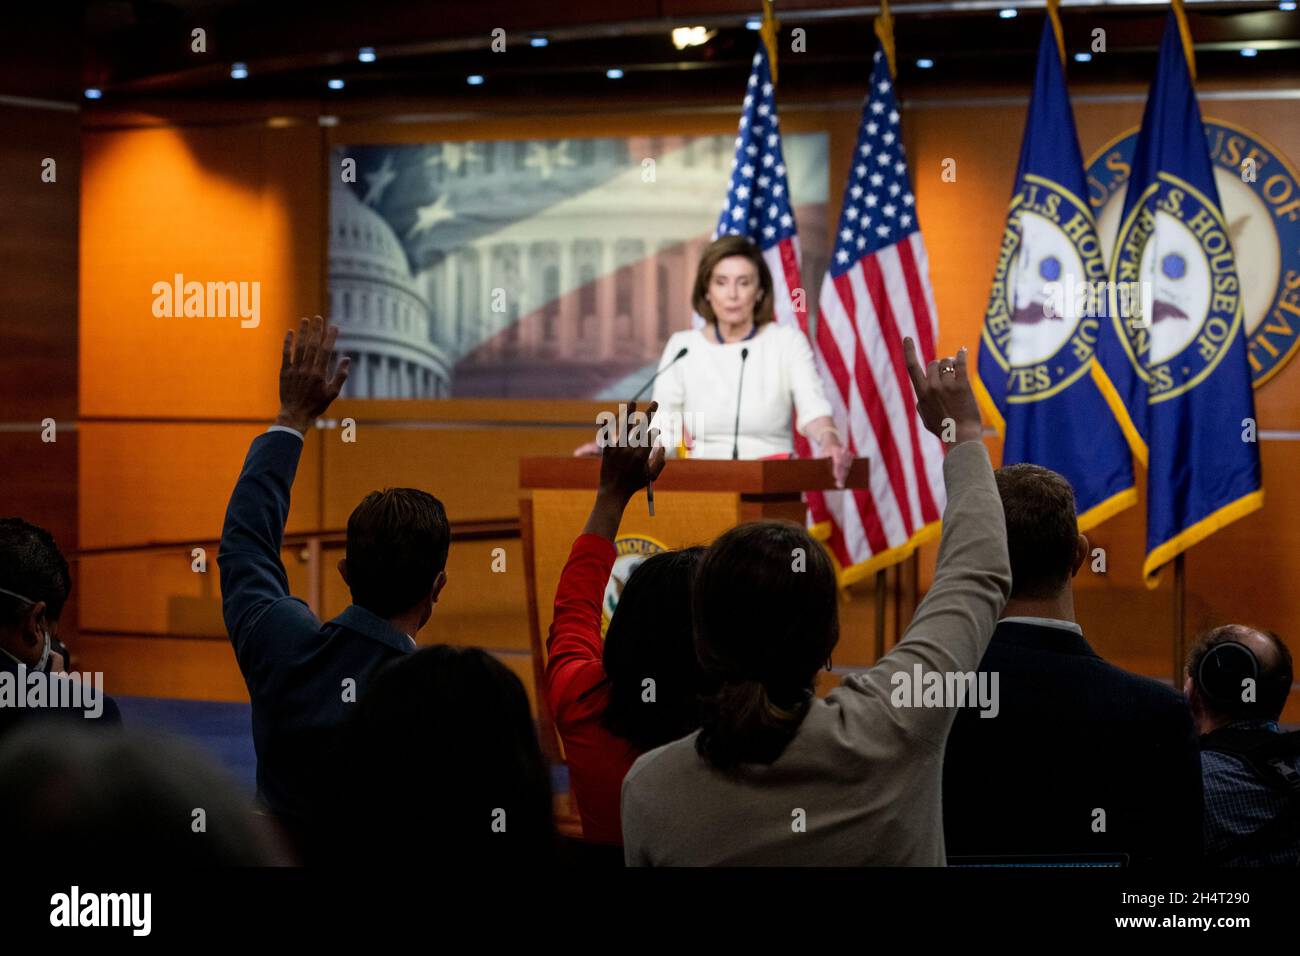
x: 676, y: 358
x: 735, y: 435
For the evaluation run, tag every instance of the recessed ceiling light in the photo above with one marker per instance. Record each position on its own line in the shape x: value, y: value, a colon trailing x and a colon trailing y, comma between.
x: 925, y: 63
x: 94, y: 93
x: 1082, y: 57
x: 692, y: 36
x: 614, y: 74
x: 239, y: 71
x: 753, y: 24
x: 1008, y: 13
x: 474, y: 79
x: 1286, y: 5
x: 366, y: 54
x: 334, y: 84
x: 1249, y: 51
x: 538, y: 41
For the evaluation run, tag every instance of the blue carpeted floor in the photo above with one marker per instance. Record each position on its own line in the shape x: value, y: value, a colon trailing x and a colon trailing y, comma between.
x: 225, y: 732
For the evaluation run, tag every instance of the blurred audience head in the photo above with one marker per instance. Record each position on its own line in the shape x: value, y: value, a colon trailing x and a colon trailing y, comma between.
x: 1043, y: 537
x: 124, y: 799
x: 34, y: 585
x: 732, y: 269
x: 766, y: 620
x: 650, y: 637
x: 1236, y: 673
x: 397, y: 553
x: 444, y: 739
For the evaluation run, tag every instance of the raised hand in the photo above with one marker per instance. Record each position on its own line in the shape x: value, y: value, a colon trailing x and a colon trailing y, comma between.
x: 944, y: 399
x: 310, y: 378
x: 625, y: 468
x: 629, y: 462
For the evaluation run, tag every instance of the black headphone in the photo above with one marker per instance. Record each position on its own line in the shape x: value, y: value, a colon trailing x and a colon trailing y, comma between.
x: 1222, y: 671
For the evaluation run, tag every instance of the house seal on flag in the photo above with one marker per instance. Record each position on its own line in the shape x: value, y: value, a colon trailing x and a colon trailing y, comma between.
x: 1260, y: 191
x: 1044, y: 339
x: 629, y: 551
x: 1178, y: 247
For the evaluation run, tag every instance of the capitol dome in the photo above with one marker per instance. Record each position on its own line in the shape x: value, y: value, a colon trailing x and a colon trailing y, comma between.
x: 382, y: 318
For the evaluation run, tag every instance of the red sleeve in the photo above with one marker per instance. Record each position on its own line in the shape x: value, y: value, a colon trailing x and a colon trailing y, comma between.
x: 574, y: 647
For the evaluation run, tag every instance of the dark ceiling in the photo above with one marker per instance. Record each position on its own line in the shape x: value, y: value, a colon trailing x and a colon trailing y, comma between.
x: 139, y: 53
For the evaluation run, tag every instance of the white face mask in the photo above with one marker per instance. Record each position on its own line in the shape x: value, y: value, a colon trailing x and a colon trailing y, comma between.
x: 44, y: 661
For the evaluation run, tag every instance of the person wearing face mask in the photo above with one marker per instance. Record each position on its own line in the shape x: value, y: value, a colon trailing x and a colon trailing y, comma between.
x: 34, y: 586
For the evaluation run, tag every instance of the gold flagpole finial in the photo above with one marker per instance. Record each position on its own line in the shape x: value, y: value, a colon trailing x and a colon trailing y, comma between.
x: 884, y: 26
x: 768, y: 31
x: 1054, y: 14
x: 1181, y: 16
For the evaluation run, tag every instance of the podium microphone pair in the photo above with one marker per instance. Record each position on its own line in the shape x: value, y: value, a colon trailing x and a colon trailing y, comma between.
x: 650, y: 485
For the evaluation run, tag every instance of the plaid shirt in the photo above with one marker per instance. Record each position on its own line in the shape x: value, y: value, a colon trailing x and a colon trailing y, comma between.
x: 1237, y: 803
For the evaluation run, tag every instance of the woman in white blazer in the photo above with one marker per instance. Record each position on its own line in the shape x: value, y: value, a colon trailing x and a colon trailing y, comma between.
x: 700, y: 392
x: 780, y: 390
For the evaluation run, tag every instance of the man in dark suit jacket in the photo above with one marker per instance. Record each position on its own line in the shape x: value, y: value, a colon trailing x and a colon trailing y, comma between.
x: 1081, y: 757
x: 304, y: 676
x: 34, y: 586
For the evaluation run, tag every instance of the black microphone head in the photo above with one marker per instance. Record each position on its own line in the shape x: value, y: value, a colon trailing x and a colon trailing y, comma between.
x: 744, y: 354
x: 683, y: 351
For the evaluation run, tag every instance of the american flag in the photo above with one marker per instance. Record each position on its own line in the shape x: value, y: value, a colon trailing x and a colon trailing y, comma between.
x: 758, y: 197
x: 876, y: 292
x: 758, y: 207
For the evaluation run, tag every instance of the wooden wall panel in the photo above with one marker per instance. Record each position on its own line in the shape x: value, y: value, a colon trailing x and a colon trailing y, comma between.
x: 144, y: 483
x: 38, y: 318
x: 242, y: 204
x: 474, y: 472
x: 38, y: 263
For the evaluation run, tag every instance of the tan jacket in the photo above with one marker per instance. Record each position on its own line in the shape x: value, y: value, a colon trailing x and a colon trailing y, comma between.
x: 861, y: 782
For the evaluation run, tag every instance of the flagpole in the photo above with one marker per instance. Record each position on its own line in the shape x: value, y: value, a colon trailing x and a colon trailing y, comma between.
x: 1180, y: 619
x: 1185, y: 32
x: 883, y: 26
x: 880, y: 615
x: 768, y: 31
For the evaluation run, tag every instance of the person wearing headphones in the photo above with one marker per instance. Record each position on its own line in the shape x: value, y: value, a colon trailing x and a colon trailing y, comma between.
x: 1237, y: 683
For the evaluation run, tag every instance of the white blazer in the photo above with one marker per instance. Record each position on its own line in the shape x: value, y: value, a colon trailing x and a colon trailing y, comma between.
x: 700, y: 392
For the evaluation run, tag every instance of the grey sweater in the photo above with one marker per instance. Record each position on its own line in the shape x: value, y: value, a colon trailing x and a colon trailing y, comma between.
x: 861, y: 782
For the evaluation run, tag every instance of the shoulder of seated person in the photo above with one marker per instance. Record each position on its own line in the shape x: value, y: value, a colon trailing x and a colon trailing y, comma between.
x: 652, y: 760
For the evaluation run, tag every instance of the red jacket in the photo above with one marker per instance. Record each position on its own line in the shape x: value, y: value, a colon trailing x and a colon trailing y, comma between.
x: 597, y: 759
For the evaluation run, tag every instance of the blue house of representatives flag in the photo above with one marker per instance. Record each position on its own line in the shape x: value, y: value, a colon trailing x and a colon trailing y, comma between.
x: 1045, y: 310
x: 1177, y: 376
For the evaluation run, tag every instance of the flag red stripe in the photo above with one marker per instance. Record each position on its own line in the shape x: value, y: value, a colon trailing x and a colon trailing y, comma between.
x: 894, y: 345
x: 920, y: 308
x: 870, y: 397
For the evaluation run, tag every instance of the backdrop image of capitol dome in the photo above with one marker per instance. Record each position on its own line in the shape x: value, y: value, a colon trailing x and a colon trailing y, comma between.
x: 531, y: 268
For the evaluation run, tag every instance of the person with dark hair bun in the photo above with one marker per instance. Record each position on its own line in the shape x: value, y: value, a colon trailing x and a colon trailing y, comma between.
x: 777, y: 776
x: 605, y: 712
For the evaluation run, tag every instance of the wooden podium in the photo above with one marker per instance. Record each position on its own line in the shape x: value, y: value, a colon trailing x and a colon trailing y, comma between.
x: 695, y: 501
